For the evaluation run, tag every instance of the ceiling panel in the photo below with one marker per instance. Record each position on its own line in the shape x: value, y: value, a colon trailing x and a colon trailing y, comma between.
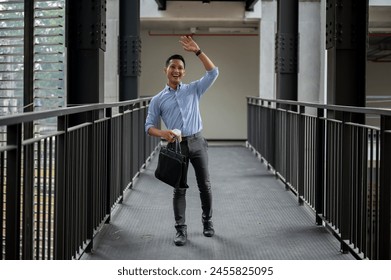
x: 379, y: 27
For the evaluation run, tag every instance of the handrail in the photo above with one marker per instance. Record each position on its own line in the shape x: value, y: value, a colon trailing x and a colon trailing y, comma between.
x: 60, y: 188
x: 32, y: 116
x: 334, y: 162
x: 339, y: 108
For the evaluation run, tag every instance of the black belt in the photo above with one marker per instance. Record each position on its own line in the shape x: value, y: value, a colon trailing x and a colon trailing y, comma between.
x: 196, y: 135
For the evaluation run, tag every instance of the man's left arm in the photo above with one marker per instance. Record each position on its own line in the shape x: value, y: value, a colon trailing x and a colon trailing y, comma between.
x: 191, y: 46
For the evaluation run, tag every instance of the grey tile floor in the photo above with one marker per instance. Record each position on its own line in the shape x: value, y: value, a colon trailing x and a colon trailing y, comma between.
x: 255, y: 218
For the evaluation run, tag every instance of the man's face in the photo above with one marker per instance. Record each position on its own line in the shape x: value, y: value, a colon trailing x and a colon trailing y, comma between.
x: 175, y: 71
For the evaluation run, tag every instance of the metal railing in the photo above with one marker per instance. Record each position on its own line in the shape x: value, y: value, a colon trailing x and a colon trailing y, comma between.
x: 334, y: 163
x: 79, y: 174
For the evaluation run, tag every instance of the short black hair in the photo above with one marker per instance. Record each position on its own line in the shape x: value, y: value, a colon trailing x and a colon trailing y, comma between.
x: 175, y: 56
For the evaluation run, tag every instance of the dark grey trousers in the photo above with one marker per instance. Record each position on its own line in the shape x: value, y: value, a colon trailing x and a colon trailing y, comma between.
x: 196, y: 150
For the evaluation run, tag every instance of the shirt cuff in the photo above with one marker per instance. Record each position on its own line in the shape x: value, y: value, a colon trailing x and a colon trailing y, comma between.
x: 148, y: 127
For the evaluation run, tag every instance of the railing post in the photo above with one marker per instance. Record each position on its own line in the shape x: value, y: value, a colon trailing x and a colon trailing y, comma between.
x: 250, y: 131
x: 141, y: 135
x: 12, y: 240
x: 135, y: 140
x: 28, y: 131
x: 300, y: 187
x: 142, y: 131
x: 148, y: 142
x: 270, y: 148
x: 319, y: 169
x: 91, y: 179
x: 345, y: 203
x: 123, y: 157
x: 287, y: 151
x: 385, y: 190
x: 60, y: 188
x: 260, y: 121
x: 109, y: 115
x: 28, y: 197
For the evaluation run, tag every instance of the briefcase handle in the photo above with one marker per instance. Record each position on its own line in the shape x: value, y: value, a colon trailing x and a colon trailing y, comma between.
x: 177, y: 149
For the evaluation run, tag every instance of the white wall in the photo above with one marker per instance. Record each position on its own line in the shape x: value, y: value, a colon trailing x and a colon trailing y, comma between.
x: 378, y: 85
x: 223, y: 107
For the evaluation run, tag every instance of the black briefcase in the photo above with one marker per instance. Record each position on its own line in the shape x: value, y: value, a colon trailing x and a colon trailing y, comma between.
x: 172, y: 166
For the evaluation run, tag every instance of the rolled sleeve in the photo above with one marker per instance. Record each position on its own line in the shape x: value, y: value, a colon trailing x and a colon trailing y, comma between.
x: 207, y: 80
x: 153, y: 115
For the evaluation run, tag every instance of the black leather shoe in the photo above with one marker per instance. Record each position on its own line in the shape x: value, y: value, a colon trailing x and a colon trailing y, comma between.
x: 180, y: 237
x: 208, y: 228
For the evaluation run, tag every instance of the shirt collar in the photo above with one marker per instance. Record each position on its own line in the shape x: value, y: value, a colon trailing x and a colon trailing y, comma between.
x: 168, y: 88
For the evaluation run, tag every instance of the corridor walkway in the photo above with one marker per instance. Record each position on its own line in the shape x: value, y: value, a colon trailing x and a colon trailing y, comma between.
x: 254, y: 218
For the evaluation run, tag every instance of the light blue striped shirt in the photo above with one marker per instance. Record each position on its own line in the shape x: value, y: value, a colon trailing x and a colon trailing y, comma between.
x: 180, y: 108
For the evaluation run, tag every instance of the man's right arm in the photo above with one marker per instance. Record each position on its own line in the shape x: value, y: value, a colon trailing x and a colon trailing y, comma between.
x: 166, y: 134
x: 151, y: 121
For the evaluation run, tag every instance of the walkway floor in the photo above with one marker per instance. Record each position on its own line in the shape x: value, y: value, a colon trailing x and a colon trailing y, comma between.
x: 255, y: 218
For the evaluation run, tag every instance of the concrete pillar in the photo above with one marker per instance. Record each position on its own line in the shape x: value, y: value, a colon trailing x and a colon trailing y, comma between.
x: 346, y: 40
x: 111, y: 54
x: 267, y: 47
x: 287, y: 42
x: 310, y: 55
x: 130, y: 48
x: 86, y: 45
x: 311, y: 51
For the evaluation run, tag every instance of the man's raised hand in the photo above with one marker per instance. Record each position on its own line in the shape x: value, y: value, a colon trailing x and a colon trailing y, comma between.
x: 188, y: 44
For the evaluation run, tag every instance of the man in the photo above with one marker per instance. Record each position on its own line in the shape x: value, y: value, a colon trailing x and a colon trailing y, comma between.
x: 178, y: 106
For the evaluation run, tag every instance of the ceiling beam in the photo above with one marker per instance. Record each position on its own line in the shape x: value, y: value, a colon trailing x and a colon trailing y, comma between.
x: 250, y: 5
x: 161, y: 4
